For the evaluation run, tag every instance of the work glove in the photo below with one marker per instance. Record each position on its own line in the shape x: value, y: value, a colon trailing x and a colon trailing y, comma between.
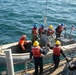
x: 31, y: 60
x: 48, y: 45
x: 68, y: 59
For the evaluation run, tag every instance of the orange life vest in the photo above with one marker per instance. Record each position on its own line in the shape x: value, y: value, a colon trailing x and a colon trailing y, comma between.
x: 34, y: 30
x: 36, y: 51
x: 56, y: 50
x: 40, y: 30
x: 21, y: 41
x: 60, y: 28
x: 50, y: 32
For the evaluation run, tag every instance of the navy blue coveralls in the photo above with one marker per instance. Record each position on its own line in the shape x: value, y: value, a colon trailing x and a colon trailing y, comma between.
x: 56, y: 58
x: 38, y: 61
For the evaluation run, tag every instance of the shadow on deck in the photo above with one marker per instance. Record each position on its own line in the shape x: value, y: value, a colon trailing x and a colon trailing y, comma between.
x: 48, y: 70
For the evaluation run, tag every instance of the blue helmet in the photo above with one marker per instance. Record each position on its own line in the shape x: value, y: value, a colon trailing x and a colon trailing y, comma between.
x: 62, y: 24
x: 42, y: 25
x: 35, y: 26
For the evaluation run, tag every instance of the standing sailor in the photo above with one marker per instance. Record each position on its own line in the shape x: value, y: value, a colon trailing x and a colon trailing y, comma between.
x: 50, y: 35
x: 56, y: 54
x: 50, y: 31
x: 34, y: 33
x: 41, y: 29
x: 37, y: 52
x: 42, y: 35
x: 59, y: 30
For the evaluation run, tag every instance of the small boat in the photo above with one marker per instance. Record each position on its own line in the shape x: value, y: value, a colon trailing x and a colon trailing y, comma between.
x: 17, y: 57
x: 68, y: 45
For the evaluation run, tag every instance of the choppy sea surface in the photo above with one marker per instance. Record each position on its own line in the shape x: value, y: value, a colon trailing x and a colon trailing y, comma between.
x: 17, y: 17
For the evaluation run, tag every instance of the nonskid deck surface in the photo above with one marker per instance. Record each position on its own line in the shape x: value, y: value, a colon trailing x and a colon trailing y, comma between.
x: 48, y: 69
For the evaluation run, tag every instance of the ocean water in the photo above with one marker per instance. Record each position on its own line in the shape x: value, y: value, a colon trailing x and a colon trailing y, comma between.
x: 17, y: 17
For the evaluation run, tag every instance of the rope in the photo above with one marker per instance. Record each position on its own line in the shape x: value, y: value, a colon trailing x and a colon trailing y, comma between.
x: 46, y: 9
x: 45, y: 17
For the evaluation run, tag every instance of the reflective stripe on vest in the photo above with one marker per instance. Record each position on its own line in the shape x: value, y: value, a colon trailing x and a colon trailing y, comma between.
x: 56, y: 50
x: 36, y: 51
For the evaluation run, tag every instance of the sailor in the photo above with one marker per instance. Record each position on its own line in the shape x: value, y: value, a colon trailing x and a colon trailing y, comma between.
x: 50, y: 35
x: 42, y: 35
x: 50, y: 31
x: 43, y: 39
x: 34, y: 33
x: 24, y: 44
x: 37, y: 52
x: 59, y: 30
x: 56, y: 54
x: 41, y: 29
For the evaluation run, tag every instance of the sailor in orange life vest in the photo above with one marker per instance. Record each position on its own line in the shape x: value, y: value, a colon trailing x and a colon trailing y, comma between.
x: 34, y: 33
x: 56, y: 54
x: 59, y: 29
x: 50, y: 31
x: 38, y: 59
x: 23, y: 44
x: 41, y: 30
x: 50, y: 35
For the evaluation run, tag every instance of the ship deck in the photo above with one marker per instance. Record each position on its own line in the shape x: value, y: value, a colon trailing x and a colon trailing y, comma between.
x: 48, y: 69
